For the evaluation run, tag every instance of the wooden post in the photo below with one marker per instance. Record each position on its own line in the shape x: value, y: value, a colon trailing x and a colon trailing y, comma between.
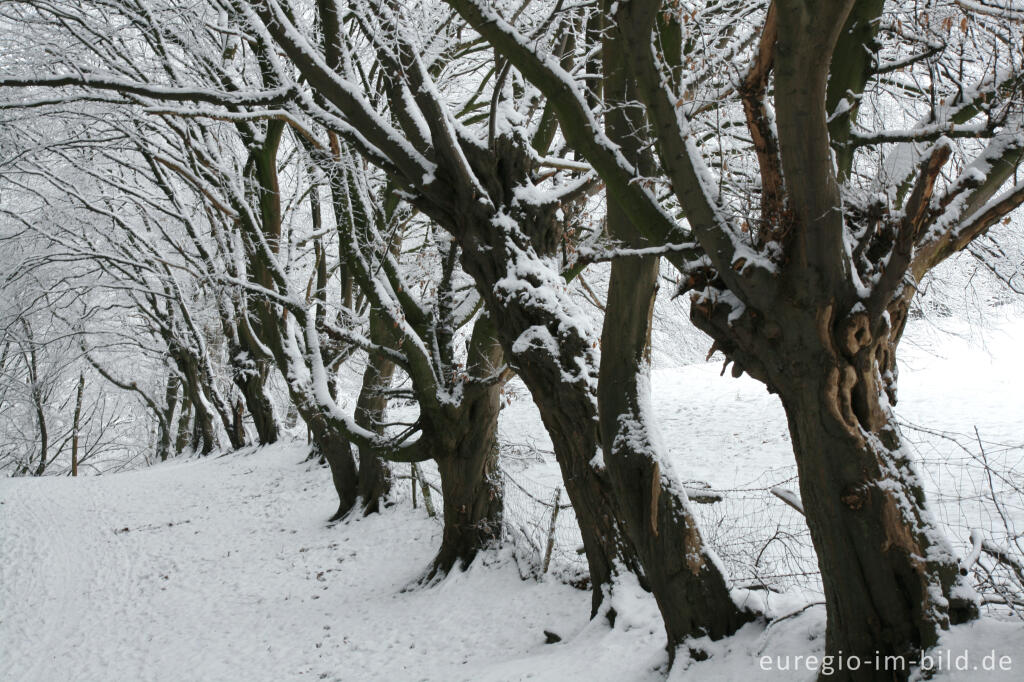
x: 428, y: 500
x: 551, y: 531
x: 75, y: 425
x: 412, y: 479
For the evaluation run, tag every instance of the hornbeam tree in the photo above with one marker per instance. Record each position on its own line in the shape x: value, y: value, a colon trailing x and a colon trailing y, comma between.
x: 865, y: 143
x: 458, y: 394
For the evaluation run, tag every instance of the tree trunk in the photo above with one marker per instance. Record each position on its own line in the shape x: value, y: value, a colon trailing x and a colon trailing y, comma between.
x: 204, y: 428
x: 471, y: 487
x: 688, y: 584
x: 208, y: 400
x: 165, y: 421
x: 891, y: 580
x: 238, y: 422
x: 231, y: 418
x: 329, y: 444
x: 566, y: 404
x: 251, y: 384
x: 76, y: 424
x: 890, y: 577
x: 181, y: 441
x: 206, y: 432
x: 44, y: 436
x: 327, y: 440
x: 374, y: 474
x: 467, y: 458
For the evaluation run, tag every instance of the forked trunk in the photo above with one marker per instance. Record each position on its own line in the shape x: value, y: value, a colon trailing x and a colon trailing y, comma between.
x: 465, y: 442
x: 252, y: 386
x: 204, y: 434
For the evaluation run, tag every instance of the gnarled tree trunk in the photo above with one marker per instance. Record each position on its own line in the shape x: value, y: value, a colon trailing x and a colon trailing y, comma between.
x: 250, y: 376
x: 562, y: 388
x: 334, y: 448
x: 465, y: 441
x: 471, y: 488
x: 258, y: 403
x: 891, y: 580
x: 204, y: 435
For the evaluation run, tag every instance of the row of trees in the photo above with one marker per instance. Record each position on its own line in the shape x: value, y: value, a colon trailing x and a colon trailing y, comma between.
x: 281, y: 189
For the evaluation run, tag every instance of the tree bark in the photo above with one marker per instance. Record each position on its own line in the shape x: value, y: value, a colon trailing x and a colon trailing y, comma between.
x: 165, y: 421
x: 37, y: 401
x: 471, y: 488
x: 889, y: 577
x: 334, y: 448
x: 687, y: 582
x: 262, y: 410
x: 76, y: 424
x: 182, y: 439
x: 562, y: 388
x: 466, y: 446
x: 44, y: 436
x: 252, y: 385
x: 374, y: 474
x: 205, y: 430
x: 891, y: 580
x: 238, y: 422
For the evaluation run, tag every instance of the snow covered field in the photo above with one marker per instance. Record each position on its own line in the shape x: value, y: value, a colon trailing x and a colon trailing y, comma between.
x: 223, y: 568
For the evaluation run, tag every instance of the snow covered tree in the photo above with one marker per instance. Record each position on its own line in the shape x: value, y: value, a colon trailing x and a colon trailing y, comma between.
x: 250, y: 175
x: 865, y: 143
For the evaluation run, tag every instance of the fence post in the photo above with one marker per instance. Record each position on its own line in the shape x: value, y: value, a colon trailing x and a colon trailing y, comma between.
x: 551, y: 531
x: 412, y: 479
x: 428, y: 502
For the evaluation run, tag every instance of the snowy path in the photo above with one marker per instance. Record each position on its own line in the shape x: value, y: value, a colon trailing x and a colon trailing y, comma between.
x: 223, y: 569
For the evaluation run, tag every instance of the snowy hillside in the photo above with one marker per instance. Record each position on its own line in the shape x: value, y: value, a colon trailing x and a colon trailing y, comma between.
x: 223, y: 568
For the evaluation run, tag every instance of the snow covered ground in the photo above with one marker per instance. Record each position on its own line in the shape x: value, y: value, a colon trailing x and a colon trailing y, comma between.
x: 223, y: 568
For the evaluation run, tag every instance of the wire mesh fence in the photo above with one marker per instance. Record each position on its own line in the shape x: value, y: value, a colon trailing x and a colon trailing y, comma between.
x: 977, y: 493
x: 975, y: 490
